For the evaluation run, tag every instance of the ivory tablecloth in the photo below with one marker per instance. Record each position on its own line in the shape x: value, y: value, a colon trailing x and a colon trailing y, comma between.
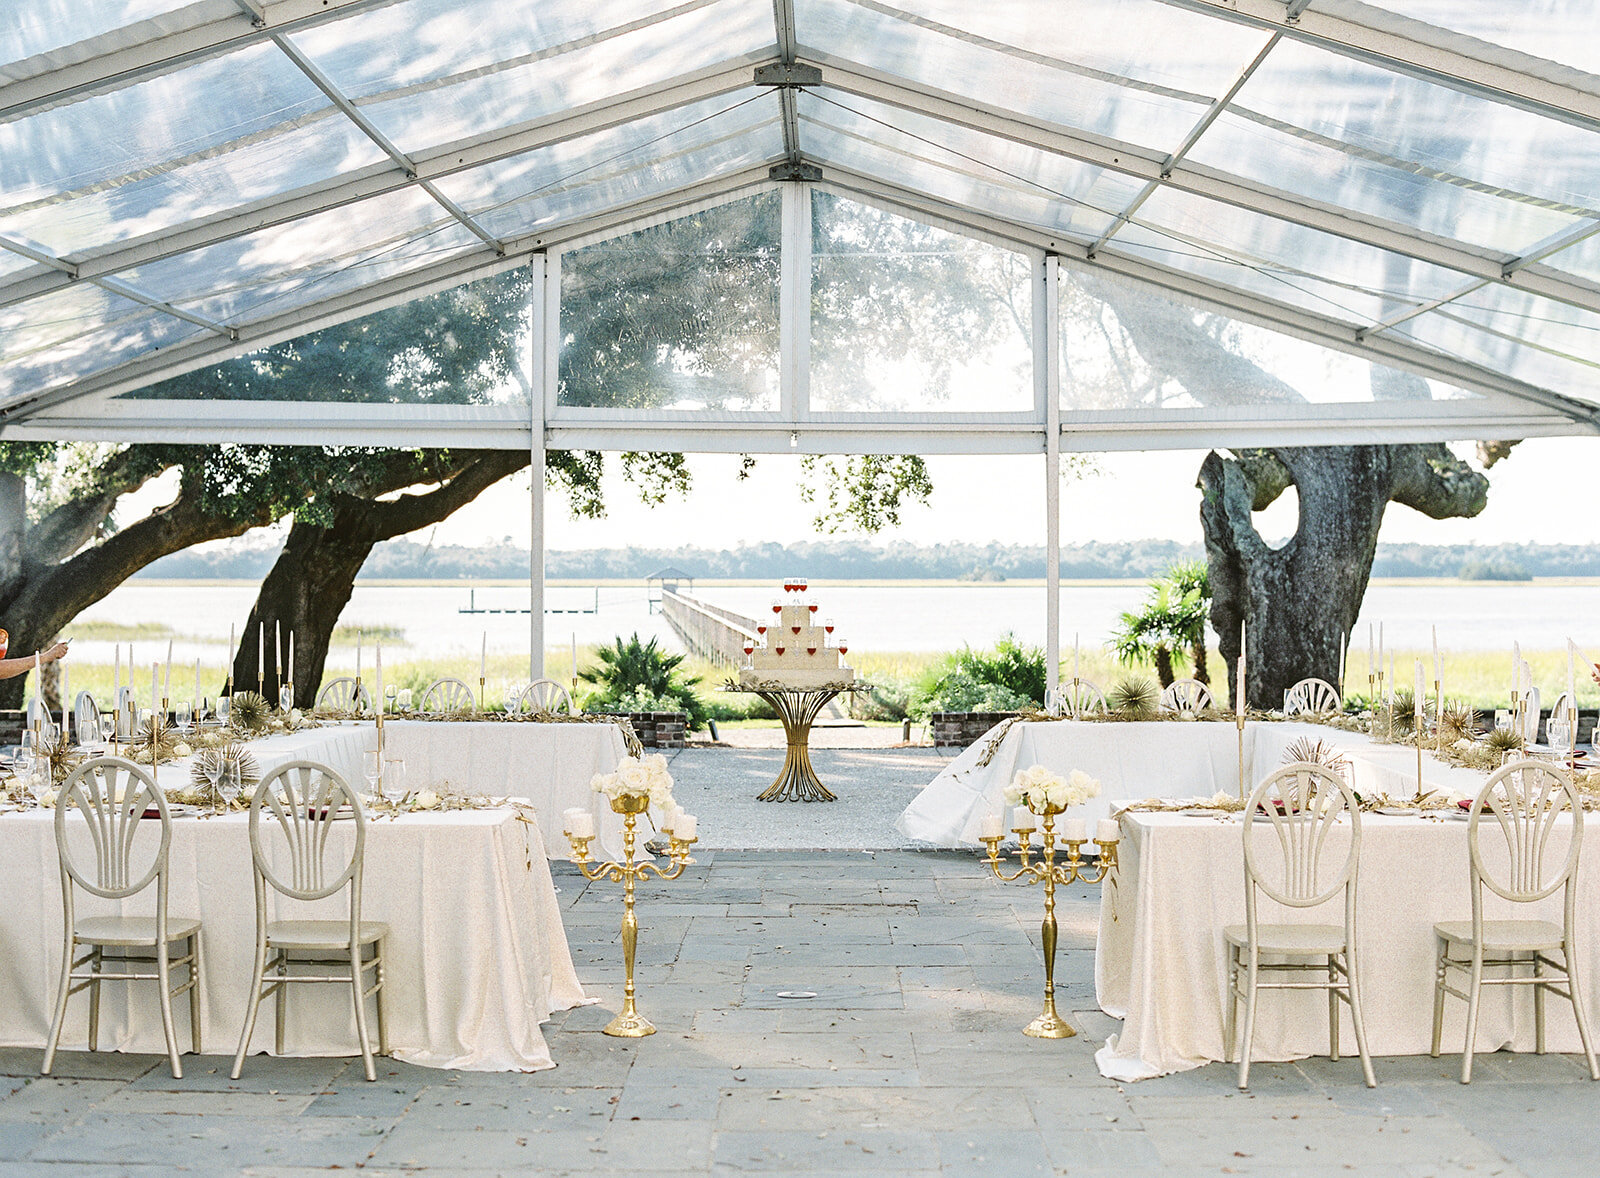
x: 547, y: 765
x: 478, y: 956
x: 1160, y: 963
x: 1133, y: 761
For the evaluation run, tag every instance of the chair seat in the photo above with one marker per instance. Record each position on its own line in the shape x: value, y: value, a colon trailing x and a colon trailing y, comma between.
x: 1504, y: 936
x: 131, y: 932
x: 321, y: 934
x: 1291, y: 939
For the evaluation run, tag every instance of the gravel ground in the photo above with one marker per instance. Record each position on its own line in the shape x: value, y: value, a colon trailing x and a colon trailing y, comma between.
x: 874, y: 785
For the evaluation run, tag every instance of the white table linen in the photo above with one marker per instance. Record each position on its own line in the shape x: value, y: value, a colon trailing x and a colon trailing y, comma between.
x: 477, y: 954
x: 1161, y: 965
x: 1134, y: 761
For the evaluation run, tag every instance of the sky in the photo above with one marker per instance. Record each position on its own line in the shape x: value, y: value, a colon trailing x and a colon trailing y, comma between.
x: 1535, y: 495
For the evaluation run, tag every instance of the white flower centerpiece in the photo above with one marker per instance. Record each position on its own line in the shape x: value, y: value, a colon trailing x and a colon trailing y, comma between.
x: 636, y: 784
x: 1046, y: 792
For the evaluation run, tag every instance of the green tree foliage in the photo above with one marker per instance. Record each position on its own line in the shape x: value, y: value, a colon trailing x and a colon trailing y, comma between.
x: 1009, y: 677
x: 635, y: 676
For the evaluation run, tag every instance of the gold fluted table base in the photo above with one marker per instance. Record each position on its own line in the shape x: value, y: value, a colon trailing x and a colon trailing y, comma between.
x: 630, y: 1024
x: 797, y: 781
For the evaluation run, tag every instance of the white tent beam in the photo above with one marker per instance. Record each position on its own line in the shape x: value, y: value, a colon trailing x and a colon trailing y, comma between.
x: 381, y: 179
x: 783, y: 25
x: 1442, y: 57
x: 1265, y: 312
x: 853, y: 78
x: 416, y: 284
x: 49, y: 84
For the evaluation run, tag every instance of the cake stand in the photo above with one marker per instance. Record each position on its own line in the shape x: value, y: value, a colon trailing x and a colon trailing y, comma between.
x: 798, y: 708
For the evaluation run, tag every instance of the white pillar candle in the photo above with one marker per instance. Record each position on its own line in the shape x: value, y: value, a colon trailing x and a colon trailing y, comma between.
x: 1074, y: 830
x: 566, y: 817
x: 1022, y: 819
x: 1107, y: 830
x: 687, y: 826
x: 993, y: 827
x: 582, y: 824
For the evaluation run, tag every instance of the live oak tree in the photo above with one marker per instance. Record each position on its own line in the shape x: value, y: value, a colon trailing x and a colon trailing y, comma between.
x: 1298, y: 599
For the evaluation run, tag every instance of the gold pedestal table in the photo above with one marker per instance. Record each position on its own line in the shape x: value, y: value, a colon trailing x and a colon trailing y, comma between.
x: 798, y: 708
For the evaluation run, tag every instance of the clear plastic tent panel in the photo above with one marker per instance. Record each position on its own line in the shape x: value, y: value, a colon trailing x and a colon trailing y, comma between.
x: 1126, y: 347
x: 679, y: 316
x: 1581, y: 259
x: 1437, y: 130
x: 907, y: 317
x: 965, y: 168
x: 79, y: 331
x: 1530, y: 338
x: 592, y: 173
x: 1034, y: 83
x: 218, y: 135
x: 463, y: 70
x: 275, y: 270
x: 1565, y: 31
x: 468, y: 346
x: 32, y: 27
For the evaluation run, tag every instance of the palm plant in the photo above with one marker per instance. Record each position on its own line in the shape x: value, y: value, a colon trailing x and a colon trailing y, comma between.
x: 631, y: 671
x: 1172, y: 618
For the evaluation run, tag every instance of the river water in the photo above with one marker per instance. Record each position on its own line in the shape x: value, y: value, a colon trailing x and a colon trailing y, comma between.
x: 885, y: 617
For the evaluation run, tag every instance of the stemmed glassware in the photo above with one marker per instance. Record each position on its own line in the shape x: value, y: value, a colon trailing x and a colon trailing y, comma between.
x: 228, y: 783
x: 394, y: 781
x: 184, y: 713
x: 23, y: 762
x: 372, y: 770
x: 108, y: 726
x: 88, y: 731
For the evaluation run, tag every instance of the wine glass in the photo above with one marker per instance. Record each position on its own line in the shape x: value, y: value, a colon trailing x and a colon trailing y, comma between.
x: 88, y: 730
x: 372, y: 770
x: 108, y: 726
x: 394, y: 780
x: 228, y: 783
x: 184, y: 713
x: 391, y: 696
x: 222, y: 710
x: 844, y: 645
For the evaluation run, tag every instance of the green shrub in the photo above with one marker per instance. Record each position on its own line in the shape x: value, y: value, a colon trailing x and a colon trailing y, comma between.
x: 635, y: 676
x: 1005, y: 679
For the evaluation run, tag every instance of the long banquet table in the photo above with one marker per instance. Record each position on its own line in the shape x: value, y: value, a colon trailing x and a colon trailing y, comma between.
x: 547, y: 765
x: 1160, y: 963
x: 1133, y: 761
x: 478, y: 956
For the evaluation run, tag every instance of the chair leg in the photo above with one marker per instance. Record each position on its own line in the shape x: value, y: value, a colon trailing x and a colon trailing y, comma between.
x: 1358, y: 1019
x: 1475, y: 994
x: 1333, y: 1010
x: 194, y: 992
x: 1538, y: 1003
x: 61, y: 1008
x: 281, y: 1009
x: 1230, y: 1012
x: 94, y: 999
x: 383, y: 1000
x: 1441, y: 955
x: 164, y: 979
x: 357, y: 985
x: 1580, y: 1012
x: 256, y: 979
x: 1252, y: 975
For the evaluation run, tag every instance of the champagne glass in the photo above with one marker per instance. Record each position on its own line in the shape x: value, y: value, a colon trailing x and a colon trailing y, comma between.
x: 394, y: 780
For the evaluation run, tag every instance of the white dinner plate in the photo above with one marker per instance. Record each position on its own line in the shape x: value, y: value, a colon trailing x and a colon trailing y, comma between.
x: 1398, y: 811
x: 1204, y: 813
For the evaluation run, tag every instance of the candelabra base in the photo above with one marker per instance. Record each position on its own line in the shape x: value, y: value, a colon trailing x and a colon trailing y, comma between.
x: 1049, y: 1024
x: 630, y: 1024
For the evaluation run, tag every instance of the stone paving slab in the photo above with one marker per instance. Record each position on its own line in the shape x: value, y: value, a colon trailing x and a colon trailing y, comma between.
x: 908, y: 1062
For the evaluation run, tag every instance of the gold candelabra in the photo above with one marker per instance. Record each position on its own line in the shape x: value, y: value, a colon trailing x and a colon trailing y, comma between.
x: 629, y: 1023
x: 1049, y: 1024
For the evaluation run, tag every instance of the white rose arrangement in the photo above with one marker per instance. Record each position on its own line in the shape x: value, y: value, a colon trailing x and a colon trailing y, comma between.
x: 1038, y: 788
x: 636, y: 777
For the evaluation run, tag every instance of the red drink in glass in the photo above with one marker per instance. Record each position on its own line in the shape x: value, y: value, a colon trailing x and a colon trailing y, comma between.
x: 811, y: 650
x: 828, y: 625
x: 779, y: 649
x: 796, y: 629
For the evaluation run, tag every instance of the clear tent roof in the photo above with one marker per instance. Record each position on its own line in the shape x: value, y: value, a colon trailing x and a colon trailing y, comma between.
x: 1415, y: 183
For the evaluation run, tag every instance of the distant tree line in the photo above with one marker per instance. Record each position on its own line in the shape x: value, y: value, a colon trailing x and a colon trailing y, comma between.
x: 859, y: 560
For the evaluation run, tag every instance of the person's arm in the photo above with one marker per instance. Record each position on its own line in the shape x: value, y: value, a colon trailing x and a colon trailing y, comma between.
x: 11, y: 668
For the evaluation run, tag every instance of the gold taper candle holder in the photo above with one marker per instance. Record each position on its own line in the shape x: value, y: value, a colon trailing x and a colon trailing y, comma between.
x: 629, y: 1023
x: 483, y: 694
x: 1049, y: 1024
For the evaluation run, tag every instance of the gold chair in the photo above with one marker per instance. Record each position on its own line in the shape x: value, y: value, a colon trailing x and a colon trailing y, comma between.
x: 111, y: 798
x: 1301, y: 803
x: 1525, y: 799
x: 303, y: 801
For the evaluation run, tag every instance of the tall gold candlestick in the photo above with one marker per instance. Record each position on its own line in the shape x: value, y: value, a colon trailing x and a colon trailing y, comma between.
x: 1049, y: 1024
x: 629, y: 1023
x: 483, y: 693
x: 1438, y: 716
